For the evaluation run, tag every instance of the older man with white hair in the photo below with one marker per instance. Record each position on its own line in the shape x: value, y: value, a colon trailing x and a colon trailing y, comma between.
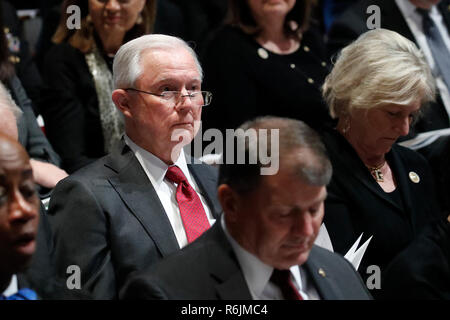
x: 143, y: 201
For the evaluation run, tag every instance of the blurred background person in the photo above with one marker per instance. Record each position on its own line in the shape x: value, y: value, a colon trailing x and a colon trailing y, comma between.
x: 81, y: 120
x: 202, y: 18
x: 21, y: 52
x: 268, y: 60
x: 44, y: 159
x: 378, y: 188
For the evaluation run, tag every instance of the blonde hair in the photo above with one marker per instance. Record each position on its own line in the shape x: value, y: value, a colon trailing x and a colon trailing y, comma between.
x: 381, y: 67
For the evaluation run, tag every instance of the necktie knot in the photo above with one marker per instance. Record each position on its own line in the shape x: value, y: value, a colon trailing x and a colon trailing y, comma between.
x: 192, y: 213
x: 174, y: 174
x: 282, y: 278
x: 423, y: 12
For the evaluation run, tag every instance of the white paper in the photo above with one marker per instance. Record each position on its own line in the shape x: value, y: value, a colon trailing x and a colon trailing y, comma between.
x: 353, y: 255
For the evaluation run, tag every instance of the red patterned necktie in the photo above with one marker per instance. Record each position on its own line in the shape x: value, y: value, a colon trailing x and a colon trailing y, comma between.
x: 282, y: 278
x: 191, y: 209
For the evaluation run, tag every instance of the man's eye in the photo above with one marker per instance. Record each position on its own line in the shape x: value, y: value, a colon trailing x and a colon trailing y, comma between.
x: 166, y: 88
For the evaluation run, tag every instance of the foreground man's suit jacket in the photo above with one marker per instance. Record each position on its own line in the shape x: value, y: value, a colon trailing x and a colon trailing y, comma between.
x: 209, y: 270
x: 108, y: 220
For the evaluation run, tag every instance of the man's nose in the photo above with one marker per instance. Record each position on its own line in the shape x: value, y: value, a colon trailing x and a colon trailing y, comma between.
x: 21, y: 209
x: 184, y: 100
x: 303, y: 225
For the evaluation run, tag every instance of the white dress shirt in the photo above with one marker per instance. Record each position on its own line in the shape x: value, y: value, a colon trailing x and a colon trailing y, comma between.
x: 156, y: 170
x: 12, y: 288
x: 257, y: 275
x: 414, y: 21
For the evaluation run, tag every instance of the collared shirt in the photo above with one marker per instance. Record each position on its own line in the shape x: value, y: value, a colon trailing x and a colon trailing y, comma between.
x: 414, y: 21
x: 155, y: 170
x: 257, y: 275
x: 13, y: 287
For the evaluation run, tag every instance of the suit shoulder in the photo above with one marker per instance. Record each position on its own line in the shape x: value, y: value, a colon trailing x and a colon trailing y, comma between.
x: 332, y: 261
x: 410, y: 156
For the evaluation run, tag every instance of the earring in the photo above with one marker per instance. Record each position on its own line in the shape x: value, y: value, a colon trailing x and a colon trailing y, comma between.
x: 139, y: 19
x: 346, y: 125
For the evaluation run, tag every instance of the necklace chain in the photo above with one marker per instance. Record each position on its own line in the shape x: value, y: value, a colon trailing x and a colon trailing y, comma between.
x: 376, y: 172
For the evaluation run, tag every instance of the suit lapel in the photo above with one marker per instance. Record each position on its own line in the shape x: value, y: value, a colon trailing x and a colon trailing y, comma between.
x: 348, y: 159
x: 224, y: 267
x: 404, y: 183
x: 392, y: 19
x: 136, y: 191
x: 208, y: 186
x: 322, y: 278
x: 444, y: 8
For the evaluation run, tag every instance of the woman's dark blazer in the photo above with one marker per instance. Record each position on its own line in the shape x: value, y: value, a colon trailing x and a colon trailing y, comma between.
x: 356, y: 203
x: 69, y: 106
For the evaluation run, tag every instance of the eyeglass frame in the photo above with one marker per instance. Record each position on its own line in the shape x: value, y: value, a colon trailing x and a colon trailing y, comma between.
x: 208, y: 93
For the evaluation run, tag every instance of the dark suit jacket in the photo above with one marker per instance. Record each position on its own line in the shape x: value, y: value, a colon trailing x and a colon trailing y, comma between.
x: 69, y: 106
x: 352, y: 23
x: 357, y: 204
x: 31, y: 136
x: 108, y: 220
x: 429, y: 276
x: 210, y: 271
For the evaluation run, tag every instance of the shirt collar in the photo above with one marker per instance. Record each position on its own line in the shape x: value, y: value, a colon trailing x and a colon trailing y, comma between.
x: 13, y: 287
x: 256, y: 273
x: 409, y: 9
x: 154, y: 167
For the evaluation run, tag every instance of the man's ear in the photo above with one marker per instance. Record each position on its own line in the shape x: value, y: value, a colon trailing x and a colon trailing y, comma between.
x: 229, y: 200
x: 122, y: 101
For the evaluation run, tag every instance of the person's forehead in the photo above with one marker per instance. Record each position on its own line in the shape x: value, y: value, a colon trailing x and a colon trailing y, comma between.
x: 12, y: 156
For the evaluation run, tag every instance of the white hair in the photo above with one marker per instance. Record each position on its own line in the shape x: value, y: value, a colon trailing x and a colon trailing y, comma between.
x: 380, y: 67
x: 127, y: 67
x: 7, y: 102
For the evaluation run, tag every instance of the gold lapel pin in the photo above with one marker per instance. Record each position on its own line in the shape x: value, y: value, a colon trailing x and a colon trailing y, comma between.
x: 263, y: 53
x: 322, y: 273
x: 414, y: 177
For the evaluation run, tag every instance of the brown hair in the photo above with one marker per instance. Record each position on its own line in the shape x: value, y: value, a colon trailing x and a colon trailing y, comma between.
x: 83, y: 38
x: 239, y: 14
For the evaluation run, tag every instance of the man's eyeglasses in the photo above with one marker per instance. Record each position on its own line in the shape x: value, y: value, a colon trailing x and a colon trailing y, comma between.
x: 200, y: 98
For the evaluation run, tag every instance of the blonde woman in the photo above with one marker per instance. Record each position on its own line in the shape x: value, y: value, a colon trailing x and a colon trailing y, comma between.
x: 379, y: 85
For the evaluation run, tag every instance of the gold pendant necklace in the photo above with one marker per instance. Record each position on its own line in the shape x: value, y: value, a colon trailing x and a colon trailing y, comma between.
x: 376, y: 172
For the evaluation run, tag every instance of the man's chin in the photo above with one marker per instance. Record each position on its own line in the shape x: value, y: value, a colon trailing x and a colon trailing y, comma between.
x: 291, y: 259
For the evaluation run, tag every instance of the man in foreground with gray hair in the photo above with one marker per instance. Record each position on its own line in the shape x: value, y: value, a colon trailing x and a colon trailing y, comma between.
x: 263, y: 247
x: 143, y: 201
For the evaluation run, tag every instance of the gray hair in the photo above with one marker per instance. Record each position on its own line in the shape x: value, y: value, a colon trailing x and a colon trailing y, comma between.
x: 127, y: 67
x: 381, y: 67
x: 7, y: 103
x: 294, y: 135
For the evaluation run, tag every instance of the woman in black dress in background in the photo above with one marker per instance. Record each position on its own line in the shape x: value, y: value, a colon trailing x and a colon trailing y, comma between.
x: 269, y: 59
